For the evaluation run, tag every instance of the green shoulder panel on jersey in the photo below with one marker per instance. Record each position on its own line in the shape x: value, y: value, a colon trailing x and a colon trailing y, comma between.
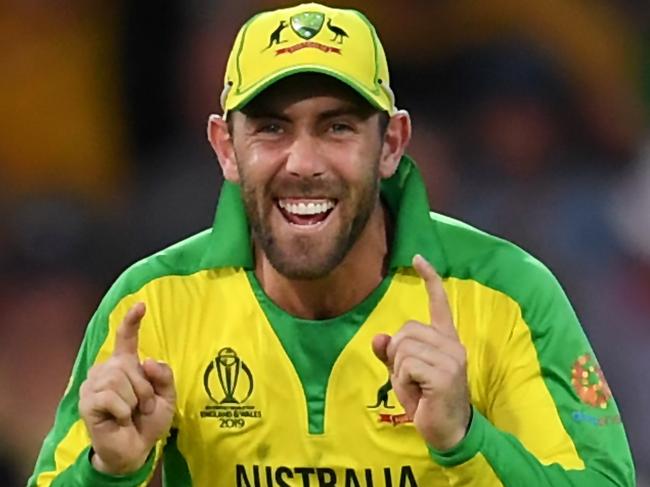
x: 560, y: 344
x: 184, y: 258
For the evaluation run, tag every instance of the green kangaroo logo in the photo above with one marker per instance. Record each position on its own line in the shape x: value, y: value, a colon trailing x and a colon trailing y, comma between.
x: 382, y: 396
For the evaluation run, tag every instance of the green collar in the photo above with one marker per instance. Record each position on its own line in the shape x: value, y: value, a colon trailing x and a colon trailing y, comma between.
x: 404, y: 194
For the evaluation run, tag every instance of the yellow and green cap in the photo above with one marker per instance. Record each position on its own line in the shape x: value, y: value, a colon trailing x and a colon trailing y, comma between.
x: 307, y: 38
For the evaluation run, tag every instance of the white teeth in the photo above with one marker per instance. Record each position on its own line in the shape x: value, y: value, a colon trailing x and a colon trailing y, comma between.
x: 309, y: 208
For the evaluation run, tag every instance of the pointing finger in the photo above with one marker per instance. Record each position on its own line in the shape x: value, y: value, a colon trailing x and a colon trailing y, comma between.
x: 438, y: 305
x: 126, y: 337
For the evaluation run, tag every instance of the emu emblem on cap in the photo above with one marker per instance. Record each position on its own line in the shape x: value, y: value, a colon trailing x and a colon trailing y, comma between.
x: 307, y: 24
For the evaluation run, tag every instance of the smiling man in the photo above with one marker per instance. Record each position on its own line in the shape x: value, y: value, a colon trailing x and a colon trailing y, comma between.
x: 329, y: 330
x: 309, y: 154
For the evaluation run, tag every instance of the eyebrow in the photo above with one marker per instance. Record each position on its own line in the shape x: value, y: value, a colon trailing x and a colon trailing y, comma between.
x: 265, y: 113
x: 348, y: 109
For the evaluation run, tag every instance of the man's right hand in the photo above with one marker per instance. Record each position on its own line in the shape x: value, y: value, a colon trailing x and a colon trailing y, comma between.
x: 126, y: 405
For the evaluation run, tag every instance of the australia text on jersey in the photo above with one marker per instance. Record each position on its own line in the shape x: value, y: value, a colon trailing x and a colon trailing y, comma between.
x: 284, y: 476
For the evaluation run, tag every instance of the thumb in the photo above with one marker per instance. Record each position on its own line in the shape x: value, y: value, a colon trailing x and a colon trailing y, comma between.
x: 161, y: 377
x: 380, y: 347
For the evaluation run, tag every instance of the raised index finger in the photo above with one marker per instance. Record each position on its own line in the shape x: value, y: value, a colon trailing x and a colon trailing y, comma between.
x: 439, y: 310
x: 126, y: 337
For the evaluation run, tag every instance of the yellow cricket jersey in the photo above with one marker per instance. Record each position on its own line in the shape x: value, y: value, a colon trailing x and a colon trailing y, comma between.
x: 266, y: 399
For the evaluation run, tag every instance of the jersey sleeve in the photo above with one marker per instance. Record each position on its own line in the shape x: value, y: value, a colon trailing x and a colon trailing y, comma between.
x: 548, y: 418
x: 64, y: 457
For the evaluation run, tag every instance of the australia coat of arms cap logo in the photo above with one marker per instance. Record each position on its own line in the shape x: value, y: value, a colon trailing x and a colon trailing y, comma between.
x: 307, y: 24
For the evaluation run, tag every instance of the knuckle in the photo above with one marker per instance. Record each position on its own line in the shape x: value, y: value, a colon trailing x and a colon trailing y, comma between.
x: 411, y: 326
x: 112, y: 381
x: 108, y: 367
x: 102, y: 397
x: 408, y: 363
x: 408, y: 342
x: 94, y: 371
x: 417, y: 347
x: 115, y: 382
x: 409, y: 346
x: 143, y: 388
x: 423, y: 348
x: 123, y: 410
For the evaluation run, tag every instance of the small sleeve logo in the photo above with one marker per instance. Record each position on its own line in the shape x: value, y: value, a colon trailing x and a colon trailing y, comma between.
x: 589, y: 382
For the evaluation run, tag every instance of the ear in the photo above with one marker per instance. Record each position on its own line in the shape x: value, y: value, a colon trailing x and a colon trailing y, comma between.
x: 221, y: 141
x: 396, y: 138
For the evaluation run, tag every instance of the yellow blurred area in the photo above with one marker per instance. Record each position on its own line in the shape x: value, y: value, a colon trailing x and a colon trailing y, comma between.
x: 59, y: 96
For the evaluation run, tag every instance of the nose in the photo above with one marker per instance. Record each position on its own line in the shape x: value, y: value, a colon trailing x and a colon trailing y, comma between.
x: 305, y: 158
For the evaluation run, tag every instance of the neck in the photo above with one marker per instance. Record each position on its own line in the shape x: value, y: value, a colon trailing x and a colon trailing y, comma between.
x: 360, y: 272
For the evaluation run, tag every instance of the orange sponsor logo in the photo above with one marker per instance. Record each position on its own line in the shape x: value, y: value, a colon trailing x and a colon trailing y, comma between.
x: 589, y: 382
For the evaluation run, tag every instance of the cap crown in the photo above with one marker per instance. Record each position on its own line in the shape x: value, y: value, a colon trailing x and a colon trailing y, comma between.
x: 307, y: 38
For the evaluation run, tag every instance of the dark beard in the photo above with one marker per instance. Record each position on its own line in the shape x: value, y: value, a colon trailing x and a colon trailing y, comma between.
x: 292, y: 264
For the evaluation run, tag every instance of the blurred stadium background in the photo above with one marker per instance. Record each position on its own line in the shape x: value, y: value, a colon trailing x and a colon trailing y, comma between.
x: 531, y: 121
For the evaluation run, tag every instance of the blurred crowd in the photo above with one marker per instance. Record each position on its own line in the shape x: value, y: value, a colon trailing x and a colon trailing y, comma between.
x: 531, y: 121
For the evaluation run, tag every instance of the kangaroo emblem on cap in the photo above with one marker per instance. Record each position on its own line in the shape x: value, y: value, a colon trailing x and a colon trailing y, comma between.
x: 274, y: 38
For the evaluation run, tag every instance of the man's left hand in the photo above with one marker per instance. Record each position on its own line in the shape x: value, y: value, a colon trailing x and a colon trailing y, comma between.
x: 428, y: 368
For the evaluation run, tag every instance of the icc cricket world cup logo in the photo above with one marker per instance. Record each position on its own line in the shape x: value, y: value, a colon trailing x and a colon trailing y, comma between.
x: 233, y: 377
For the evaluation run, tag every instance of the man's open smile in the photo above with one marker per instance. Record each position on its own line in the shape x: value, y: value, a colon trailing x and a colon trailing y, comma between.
x: 306, y: 212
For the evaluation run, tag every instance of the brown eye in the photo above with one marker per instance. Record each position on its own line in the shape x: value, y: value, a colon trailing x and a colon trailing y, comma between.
x: 340, y: 128
x: 270, y: 128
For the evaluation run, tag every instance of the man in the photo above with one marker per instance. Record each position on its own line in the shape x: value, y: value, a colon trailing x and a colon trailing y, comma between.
x: 306, y: 338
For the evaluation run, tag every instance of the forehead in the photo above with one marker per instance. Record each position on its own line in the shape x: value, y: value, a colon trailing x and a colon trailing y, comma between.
x: 308, y: 86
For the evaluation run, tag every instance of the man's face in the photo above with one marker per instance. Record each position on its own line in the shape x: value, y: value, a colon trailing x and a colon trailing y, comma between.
x: 307, y: 152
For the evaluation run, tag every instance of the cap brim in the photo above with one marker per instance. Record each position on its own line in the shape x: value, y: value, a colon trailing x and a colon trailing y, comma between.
x: 375, y: 101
